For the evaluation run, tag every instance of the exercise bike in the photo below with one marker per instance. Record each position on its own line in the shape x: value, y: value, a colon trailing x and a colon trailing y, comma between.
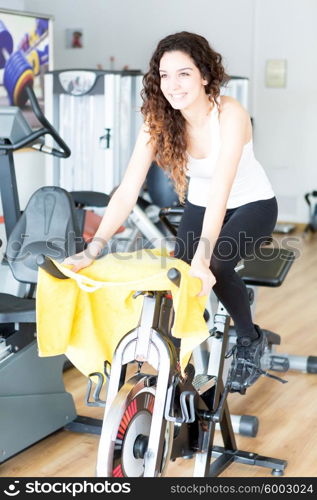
x: 32, y: 393
x: 152, y: 418
x: 310, y: 199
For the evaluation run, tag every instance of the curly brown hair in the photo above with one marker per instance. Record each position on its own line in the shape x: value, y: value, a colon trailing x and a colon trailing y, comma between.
x: 167, y: 126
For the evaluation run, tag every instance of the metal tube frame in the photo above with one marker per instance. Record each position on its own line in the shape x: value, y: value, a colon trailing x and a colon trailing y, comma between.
x: 143, y: 344
x: 229, y: 453
x: 147, y: 344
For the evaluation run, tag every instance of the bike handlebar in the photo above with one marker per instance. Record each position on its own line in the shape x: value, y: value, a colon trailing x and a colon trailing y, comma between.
x: 48, y: 266
x: 308, y: 195
x: 47, y: 128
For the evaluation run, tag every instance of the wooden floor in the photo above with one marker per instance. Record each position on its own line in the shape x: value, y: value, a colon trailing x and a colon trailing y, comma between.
x: 288, y: 413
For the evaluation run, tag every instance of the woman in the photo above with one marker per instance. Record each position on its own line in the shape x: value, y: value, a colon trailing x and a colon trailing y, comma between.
x: 192, y: 131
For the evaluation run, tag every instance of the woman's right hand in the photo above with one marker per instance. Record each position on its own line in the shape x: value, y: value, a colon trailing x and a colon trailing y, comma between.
x: 86, y: 257
x: 79, y: 261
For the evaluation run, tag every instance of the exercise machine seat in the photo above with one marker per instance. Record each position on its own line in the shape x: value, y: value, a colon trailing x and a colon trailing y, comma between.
x: 47, y: 226
x: 268, y: 268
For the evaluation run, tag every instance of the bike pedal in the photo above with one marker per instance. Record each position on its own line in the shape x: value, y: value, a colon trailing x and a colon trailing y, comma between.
x: 203, y: 382
x: 240, y: 390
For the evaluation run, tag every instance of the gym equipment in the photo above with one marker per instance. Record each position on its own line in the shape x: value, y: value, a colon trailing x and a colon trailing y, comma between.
x: 29, y: 386
x: 32, y: 394
x: 153, y: 418
x: 97, y: 112
x: 16, y: 134
x: 160, y: 188
x: 312, y: 205
x: 143, y: 228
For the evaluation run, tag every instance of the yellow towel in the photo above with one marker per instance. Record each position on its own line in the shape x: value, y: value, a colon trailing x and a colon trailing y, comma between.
x: 86, y: 316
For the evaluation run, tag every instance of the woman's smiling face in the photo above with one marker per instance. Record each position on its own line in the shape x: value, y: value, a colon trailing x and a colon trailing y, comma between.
x: 181, y: 81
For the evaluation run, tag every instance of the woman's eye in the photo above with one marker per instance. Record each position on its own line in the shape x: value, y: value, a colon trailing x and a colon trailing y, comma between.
x: 163, y: 76
x: 184, y: 74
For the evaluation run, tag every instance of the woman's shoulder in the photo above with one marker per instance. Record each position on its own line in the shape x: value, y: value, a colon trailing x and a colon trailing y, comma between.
x: 229, y: 105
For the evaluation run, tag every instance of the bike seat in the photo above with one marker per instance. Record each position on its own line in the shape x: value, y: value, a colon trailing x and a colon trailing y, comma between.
x: 268, y: 268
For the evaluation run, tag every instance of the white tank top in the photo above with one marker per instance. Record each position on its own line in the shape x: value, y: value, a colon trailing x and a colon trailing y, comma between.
x: 250, y: 183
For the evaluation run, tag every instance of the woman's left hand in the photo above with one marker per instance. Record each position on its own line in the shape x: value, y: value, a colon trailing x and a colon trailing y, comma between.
x: 200, y: 270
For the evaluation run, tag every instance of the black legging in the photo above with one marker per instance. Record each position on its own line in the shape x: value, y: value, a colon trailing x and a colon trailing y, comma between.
x: 243, y: 230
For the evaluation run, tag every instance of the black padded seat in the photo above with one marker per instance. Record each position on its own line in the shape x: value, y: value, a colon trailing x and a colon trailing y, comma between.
x: 16, y: 309
x: 90, y: 198
x: 269, y: 268
x: 47, y: 226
